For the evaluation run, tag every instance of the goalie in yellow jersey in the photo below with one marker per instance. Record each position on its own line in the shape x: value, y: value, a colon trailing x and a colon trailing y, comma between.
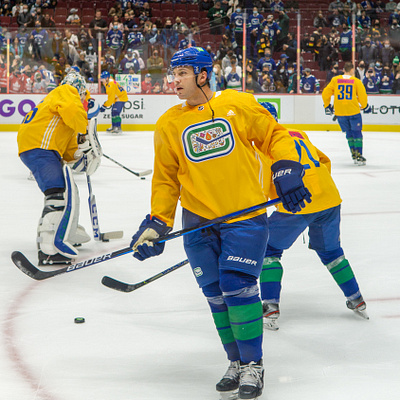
x: 47, y: 145
x: 348, y: 95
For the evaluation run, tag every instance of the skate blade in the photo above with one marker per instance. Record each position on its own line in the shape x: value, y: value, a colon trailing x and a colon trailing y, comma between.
x: 361, y: 313
x: 232, y: 395
x: 271, y: 324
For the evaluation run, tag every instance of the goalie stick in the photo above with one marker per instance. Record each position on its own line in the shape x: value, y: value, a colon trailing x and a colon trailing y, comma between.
x: 35, y: 273
x: 97, y: 235
x: 143, y: 173
x: 130, y: 287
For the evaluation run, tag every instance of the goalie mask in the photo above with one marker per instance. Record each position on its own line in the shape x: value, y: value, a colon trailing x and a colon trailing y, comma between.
x: 76, y: 80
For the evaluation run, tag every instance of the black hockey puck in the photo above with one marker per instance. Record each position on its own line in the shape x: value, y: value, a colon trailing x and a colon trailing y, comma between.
x: 79, y: 320
x: 142, y: 177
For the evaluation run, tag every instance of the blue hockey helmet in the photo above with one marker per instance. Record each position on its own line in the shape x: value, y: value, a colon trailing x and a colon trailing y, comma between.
x: 105, y: 75
x: 76, y: 68
x: 271, y: 108
x: 195, y: 57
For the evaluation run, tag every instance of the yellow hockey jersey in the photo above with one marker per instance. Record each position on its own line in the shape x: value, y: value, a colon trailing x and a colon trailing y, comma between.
x: 212, y: 166
x: 317, y: 178
x: 349, y: 93
x: 115, y: 93
x: 54, y: 123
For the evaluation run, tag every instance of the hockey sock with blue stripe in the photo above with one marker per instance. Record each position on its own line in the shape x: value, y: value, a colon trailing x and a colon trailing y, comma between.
x: 270, y: 280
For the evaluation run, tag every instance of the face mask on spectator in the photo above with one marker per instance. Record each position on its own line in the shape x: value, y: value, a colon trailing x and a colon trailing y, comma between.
x: 115, y: 27
x: 215, y: 70
x: 290, y: 71
x: 281, y: 71
x: 255, y: 13
x: 387, y: 45
x: 377, y: 65
x: 90, y: 47
x: 238, y: 10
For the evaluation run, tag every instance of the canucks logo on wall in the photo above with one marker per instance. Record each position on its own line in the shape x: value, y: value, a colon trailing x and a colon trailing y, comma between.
x: 207, y: 140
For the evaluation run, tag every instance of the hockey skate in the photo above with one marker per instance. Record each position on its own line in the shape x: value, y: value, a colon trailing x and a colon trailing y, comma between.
x: 271, y: 314
x: 251, y: 380
x: 358, y: 306
x: 117, y: 131
x: 229, y: 384
x: 111, y: 129
x: 54, y: 259
x: 359, y: 159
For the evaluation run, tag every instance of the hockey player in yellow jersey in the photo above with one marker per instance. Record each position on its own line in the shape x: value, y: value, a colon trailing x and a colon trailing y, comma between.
x: 348, y: 95
x: 322, y: 217
x: 205, y: 156
x: 47, y: 142
x: 117, y: 97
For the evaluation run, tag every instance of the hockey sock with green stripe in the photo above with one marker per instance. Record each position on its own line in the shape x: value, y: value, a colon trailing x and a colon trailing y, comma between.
x: 343, y: 275
x: 270, y: 279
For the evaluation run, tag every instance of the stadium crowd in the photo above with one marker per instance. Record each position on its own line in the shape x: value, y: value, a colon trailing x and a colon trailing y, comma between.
x: 136, y: 37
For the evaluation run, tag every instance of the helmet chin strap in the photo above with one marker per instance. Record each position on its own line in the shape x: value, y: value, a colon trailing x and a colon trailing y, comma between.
x: 208, y: 101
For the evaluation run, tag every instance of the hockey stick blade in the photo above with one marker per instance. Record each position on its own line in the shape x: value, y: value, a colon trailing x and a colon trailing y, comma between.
x: 106, y: 236
x: 144, y: 173
x: 33, y: 272
x: 130, y: 287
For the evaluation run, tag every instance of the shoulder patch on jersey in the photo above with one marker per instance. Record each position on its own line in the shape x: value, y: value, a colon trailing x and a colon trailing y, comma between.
x: 208, y: 139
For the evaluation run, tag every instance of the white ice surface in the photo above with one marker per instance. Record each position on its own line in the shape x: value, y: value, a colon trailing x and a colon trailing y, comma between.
x: 159, y: 342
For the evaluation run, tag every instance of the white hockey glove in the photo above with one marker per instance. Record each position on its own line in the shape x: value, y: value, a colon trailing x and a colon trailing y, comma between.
x: 87, y: 159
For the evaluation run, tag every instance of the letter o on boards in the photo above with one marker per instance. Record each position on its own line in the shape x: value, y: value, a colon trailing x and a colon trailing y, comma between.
x: 383, y: 109
x: 6, y: 111
x: 127, y: 105
x: 23, y: 103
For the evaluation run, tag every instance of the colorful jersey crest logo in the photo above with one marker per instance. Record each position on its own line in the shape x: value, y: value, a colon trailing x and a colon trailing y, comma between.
x: 208, y: 140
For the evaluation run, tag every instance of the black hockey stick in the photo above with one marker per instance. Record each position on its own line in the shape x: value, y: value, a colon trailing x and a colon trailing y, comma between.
x: 35, y: 273
x: 130, y: 287
x: 97, y: 235
x: 29, y: 269
x: 334, y: 118
x: 143, y: 173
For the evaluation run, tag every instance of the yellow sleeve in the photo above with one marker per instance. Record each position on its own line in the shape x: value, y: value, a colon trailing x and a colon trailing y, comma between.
x: 111, y: 91
x: 361, y: 94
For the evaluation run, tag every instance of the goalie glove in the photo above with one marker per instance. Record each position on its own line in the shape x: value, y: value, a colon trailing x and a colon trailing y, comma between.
x: 87, y: 160
x: 287, y: 178
x: 142, y: 245
x: 329, y: 110
x: 367, y: 110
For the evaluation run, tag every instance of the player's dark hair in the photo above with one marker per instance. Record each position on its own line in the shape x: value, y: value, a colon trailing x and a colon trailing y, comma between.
x: 348, y: 66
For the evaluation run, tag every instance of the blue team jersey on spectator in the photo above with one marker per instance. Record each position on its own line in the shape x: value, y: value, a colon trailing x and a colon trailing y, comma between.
x: 125, y: 65
x: 365, y: 22
x: 273, y: 28
x: 254, y: 22
x: 115, y: 39
x: 309, y: 84
x: 270, y: 62
x: 386, y: 86
x: 237, y: 20
x: 371, y: 84
x: 277, y: 6
x: 169, y: 37
x: 135, y: 39
x: 345, y: 40
x: 40, y: 37
x: 22, y: 39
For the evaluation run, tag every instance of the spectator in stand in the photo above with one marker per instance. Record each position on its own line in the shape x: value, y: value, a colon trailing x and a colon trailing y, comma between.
x: 236, y: 21
x: 267, y: 59
x: 135, y: 38
x: 283, y: 22
x: 308, y: 82
x: 39, y: 40
x: 210, y: 52
x: 180, y: 26
x: 334, y: 37
x: 266, y: 80
x: 283, y: 62
x: 168, y: 87
x: 387, y: 79
x: 142, y: 65
x: 378, y: 67
x: 364, y: 20
x: 226, y: 61
x: 157, y: 88
x: 320, y: 21
x: 84, y: 66
x: 219, y: 77
x: 169, y: 39
x: 255, y: 28
x: 395, y: 64
x: 48, y: 22
x: 194, y: 29
x: 396, y: 81
x: 205, y: 5
x: 392, y: 15
x: 387, y: 53
x: 334, y: 71
x: 368, y: 52
x: 233, y: 75
x: 250, y: 69
x: 25, y: 18
x: 394, y: 35
x: 91, y: 57
x: 327, y: 54
x: 274, y: 31
x: 97, y: 26
x: 277, y: 5
x: 184, y: 43
x: 115, y: 41
x: 345, y: 43
x: 360, y: 71
x: 71, y: 38
x: 369, y: 7
x: 155, y: 64
x: 17, y: 8
x: 336, y: 5
x: 281, y: 79
x: 292, y: 79
x: 73, y: 17
x: 147, y: 87
x: 252, y: 86
x: 109, y: 62
x: 390, y: 6
x: 291, y: 53
x: 263, y: 42
x: 216, y: 15
x: 336, y: 19
x: 371, y: 81
x: 128, y: 62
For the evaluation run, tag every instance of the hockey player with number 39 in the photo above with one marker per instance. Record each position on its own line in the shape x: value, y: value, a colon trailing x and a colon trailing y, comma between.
x: 204, y: 156
x: 348, y: 95
x: 47, y: 145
